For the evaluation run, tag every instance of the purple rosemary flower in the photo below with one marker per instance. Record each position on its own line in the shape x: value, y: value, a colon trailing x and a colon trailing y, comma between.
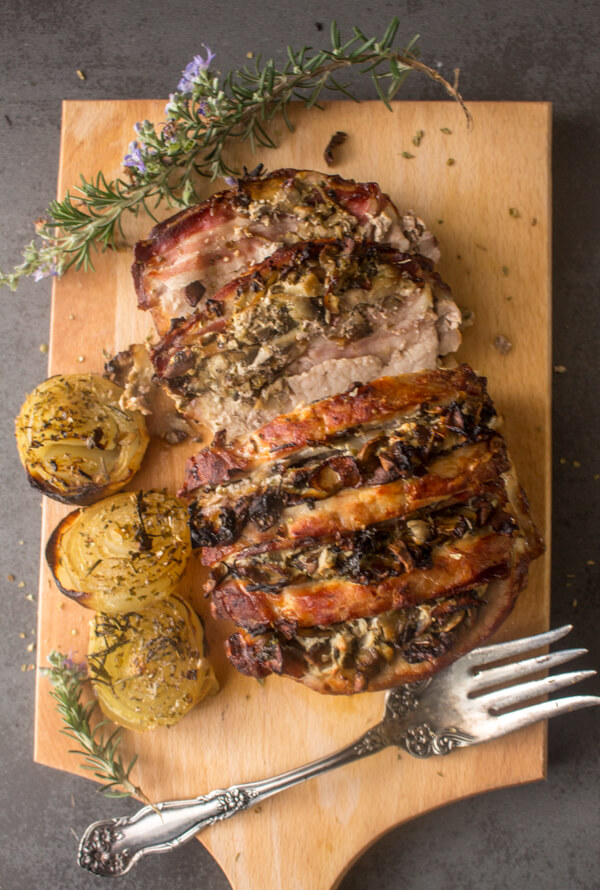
x: 193, y: 69
x: 230, y: 180
x: 134, y: 158
x: 45, y: 271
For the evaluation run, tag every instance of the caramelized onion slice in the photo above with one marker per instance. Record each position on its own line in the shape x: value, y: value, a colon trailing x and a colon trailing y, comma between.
x: 148, y: 669
x: 74, y: 440
x: 122, y: 553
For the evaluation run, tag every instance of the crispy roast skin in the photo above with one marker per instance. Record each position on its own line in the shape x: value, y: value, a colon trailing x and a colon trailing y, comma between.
x: 186, y: 259
x: 366, y: 540
x: 305, y: 323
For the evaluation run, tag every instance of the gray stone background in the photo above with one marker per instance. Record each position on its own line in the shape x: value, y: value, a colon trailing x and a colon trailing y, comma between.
x: 538, y: 836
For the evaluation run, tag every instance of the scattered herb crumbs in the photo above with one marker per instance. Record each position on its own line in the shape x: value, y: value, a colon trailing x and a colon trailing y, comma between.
x: 563, y: 460
x: 509, y: 298
x: 319, y: 26
x: 418, y: 137
x: 446, y: 131
x: 560, y: 369
x: 81, y: 74
x: 30, y: 667
x: 451, y: 162
x: 576, y: 464
x: 10, y: 577
x: 570, y: 575
x: 514, y: 212
x: 23, y: 667
x: 534, y: 221
x: 440, y: 222
x: 258, y: 809
x: 8, y: 120
x: 481, y: 247
x: 574, y: 603
x: 407, y: 155
x: 505, y: 270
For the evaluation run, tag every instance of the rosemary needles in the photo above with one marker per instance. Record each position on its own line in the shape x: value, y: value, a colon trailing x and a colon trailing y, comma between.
x: 100, y: 753
x: 204, y: 113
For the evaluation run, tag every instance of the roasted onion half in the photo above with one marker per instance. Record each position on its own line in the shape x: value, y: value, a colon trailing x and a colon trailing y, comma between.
x: 74, y: 440
x: 123, y: 553
x: 148, y: 669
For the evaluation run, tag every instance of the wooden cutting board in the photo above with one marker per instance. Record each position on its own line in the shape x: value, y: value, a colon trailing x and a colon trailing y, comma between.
x: 497, y: 261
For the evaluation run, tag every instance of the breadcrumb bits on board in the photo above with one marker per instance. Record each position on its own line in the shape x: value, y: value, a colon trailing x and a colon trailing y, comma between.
x: 23, y: 635
x: 576, y: 464
x: 250, y: 54
x: 502, y: 344
x: 10, y: 577
x: 563, y: 460
x: 31, y: 647
x: 81, y: 358
x: 574, y: 603
x: 514, y: 212
x: 21, y: 584
x: 590, y: 562
x: 559, y: 369
x: 30, y: 597
x: 81, y: 74
x: 44, y: 348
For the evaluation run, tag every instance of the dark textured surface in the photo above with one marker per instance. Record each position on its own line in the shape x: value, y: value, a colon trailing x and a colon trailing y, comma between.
x: 537, y: 836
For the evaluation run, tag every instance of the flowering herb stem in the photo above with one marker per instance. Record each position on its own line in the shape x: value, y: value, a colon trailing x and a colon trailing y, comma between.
x: 204, y: 113
x: 100, y: 753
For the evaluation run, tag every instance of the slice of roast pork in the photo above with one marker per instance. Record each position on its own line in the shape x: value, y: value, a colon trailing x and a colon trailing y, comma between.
x: 308, y: 322
x: 188, y: 258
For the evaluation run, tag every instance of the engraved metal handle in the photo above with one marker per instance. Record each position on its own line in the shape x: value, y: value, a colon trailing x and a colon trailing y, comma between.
x: 112, y: 847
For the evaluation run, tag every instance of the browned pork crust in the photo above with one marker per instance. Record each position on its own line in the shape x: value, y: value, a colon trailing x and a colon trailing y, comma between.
x: 385, y: 537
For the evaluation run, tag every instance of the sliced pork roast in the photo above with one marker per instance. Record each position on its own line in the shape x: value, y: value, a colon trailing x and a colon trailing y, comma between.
x: 189, y: 257
x: 367, y: 539
x: 304, y: 324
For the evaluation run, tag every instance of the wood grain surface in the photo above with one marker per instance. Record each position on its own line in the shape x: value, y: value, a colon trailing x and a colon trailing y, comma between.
x: 497, y: 262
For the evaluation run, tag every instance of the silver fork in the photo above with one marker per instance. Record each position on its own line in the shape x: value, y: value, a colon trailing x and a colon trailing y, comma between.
x: 461, y: 706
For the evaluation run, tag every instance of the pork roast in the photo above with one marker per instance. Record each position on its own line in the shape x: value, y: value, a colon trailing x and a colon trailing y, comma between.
x: 367, y: 539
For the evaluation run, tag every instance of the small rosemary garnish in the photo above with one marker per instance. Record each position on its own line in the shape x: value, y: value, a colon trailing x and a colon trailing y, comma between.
x: 202, y: 115
x: 100, y: 753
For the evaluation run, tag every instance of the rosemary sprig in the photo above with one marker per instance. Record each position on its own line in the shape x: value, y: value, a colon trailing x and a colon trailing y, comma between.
x: 100, y: 753
x: 202, y: 115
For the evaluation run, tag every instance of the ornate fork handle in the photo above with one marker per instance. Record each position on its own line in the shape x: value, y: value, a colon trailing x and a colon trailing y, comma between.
x: 112, y: 847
